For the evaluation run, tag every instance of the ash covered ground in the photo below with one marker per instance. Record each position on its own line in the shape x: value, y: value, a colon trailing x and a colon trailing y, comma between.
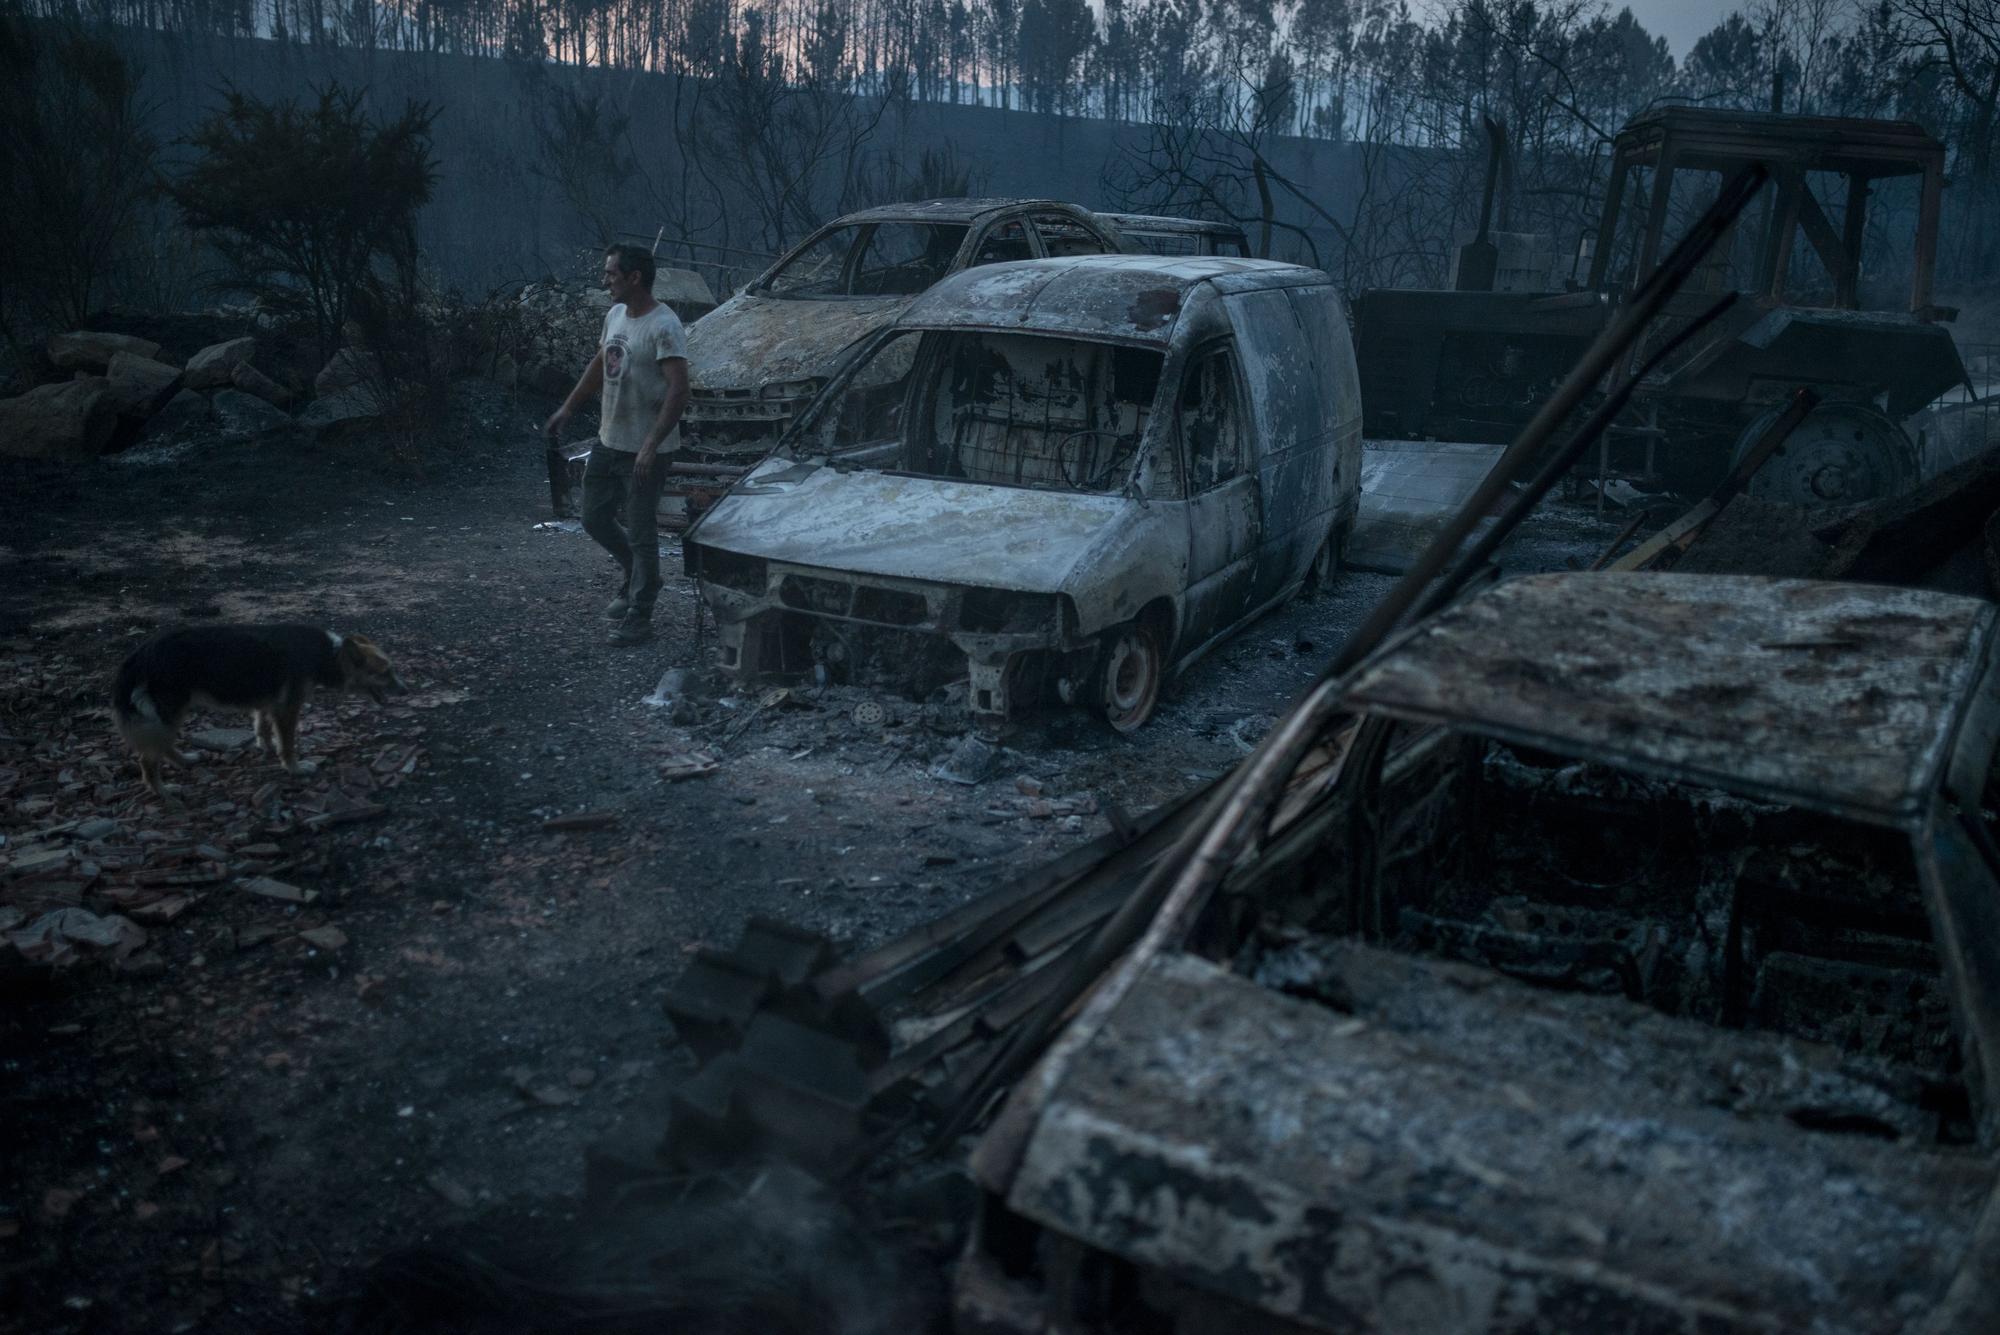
x: 236, y: 1119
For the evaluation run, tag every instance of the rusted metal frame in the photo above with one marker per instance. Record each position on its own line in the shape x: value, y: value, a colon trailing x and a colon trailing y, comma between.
x: 1785, y: 230
x: 1928, y: 206
x: 1828, y: 243
x: 1656, y: 209
x: 1680, y: 534
x: 1854, y: 231
x: 1165, y: 900
x: 1607, y: 223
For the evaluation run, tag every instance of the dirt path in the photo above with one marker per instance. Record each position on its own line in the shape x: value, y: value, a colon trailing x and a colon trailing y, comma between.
x: 214, y: 1136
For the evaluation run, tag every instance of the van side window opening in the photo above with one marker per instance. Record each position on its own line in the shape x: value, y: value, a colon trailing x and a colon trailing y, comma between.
x: 1210, y: 422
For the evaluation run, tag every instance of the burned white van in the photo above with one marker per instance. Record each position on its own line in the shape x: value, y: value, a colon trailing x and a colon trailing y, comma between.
x: 1061, y: 478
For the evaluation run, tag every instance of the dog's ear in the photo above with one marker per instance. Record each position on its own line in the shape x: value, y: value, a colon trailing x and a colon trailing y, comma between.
x: 362, y: 653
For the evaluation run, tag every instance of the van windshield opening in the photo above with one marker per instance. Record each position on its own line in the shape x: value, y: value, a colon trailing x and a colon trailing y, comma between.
x: 1023, y: 410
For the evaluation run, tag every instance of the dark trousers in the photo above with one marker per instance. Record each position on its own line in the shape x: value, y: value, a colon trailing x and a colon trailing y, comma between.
x: 623, y: 516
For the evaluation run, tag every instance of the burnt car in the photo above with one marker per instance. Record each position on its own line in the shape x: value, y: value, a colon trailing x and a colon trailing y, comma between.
x: 1638, y: 968
x: 759, y: 358
x: 1161, y: 234
x: 1059, y: 477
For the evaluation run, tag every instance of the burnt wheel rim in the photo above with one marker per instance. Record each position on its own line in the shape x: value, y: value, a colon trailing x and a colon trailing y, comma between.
x: 1320, y: 573
x: 1131, y: 678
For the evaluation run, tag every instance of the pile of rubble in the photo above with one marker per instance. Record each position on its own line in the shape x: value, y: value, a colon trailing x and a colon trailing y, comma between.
x: 91, y: 865
x: 123, y: 390
x: 558, y: 329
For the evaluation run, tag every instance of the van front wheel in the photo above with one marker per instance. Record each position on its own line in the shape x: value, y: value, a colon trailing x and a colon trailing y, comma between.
x: 1325, y: 565
x: 1129, y: 677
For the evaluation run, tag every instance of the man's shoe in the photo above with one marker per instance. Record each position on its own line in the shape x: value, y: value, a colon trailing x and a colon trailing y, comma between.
x: 633, y: 629
x: 618, y: 607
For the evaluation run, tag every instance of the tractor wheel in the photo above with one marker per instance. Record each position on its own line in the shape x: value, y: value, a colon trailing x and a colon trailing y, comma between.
x: 1132, y: 669
x: 1841, y: 454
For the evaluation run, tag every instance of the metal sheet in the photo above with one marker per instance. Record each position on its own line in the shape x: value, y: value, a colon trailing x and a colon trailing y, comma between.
x: 921, y: 528
x: 1464, y: 1154
x: 1130, y: 298
x: 1839, y: 697
x: 753, y: 340
x: 1408, y: 490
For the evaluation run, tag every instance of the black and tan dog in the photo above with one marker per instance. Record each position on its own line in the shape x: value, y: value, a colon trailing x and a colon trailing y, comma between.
x: 269, y: 670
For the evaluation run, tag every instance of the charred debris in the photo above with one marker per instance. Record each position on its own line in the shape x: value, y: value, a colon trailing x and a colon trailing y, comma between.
x: 1612, y: 949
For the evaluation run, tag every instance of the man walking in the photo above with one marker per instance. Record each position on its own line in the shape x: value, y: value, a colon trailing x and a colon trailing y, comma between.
x: 641, y: 369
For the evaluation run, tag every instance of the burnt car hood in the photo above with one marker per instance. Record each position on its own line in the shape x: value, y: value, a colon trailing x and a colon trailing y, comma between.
x: 1481, y: 1155
x: 752, y: 340
x: 918, y: 528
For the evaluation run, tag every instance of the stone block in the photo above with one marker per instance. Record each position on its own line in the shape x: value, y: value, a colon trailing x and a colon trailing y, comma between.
x: 253, y: 381
x: 212, y: 367
x: 83, y: 350
x: 245, y: 415
x: 73, y: 420
x: 140, y: 385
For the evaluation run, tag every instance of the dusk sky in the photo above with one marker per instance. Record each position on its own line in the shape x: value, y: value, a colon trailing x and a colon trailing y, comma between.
x: 1679, y: 21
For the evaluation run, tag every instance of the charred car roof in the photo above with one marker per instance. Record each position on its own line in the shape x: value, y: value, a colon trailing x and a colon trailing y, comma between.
x: 943, y: 210
x: 1841, y: 697
x: 1162, y: 222
x: 1132, y: 298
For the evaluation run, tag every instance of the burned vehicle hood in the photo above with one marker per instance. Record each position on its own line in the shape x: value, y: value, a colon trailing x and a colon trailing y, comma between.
x: 915, y: 528
x: 753, y: 340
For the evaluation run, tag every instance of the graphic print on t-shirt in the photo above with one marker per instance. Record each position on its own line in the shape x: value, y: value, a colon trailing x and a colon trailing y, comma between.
x: 614, y: 357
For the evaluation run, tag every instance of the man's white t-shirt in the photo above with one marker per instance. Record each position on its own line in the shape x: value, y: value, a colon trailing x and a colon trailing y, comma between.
x: 634, y: 388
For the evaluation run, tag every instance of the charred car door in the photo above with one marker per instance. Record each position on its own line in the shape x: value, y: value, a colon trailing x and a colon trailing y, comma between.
x: 1295, y: 434
x: 1224, y: 506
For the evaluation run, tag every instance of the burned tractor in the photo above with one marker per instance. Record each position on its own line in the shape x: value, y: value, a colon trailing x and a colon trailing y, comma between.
x: 1472, y: 364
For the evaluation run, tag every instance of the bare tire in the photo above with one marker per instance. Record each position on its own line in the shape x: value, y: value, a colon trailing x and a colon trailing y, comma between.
x: 1129, y: 677
x: 1842, y: 453
x: 1325, y: 565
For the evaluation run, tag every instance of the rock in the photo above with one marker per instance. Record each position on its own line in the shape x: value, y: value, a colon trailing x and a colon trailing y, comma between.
x: 324, y: 938
x: 347, y: 367
x: 72, y: 421
x: 243, y: 416
x: 969, y: 762
x: 253, y: 381
x: 185, y: 412
x: 270, y: 888
x: 341, y: 408
x: 212, y: 367
x: 505, y: 371
x: 82, y: 350
x: 141, y: 385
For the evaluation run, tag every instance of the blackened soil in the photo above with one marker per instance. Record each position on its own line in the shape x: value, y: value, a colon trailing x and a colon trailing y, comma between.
x: 217, y: 1138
